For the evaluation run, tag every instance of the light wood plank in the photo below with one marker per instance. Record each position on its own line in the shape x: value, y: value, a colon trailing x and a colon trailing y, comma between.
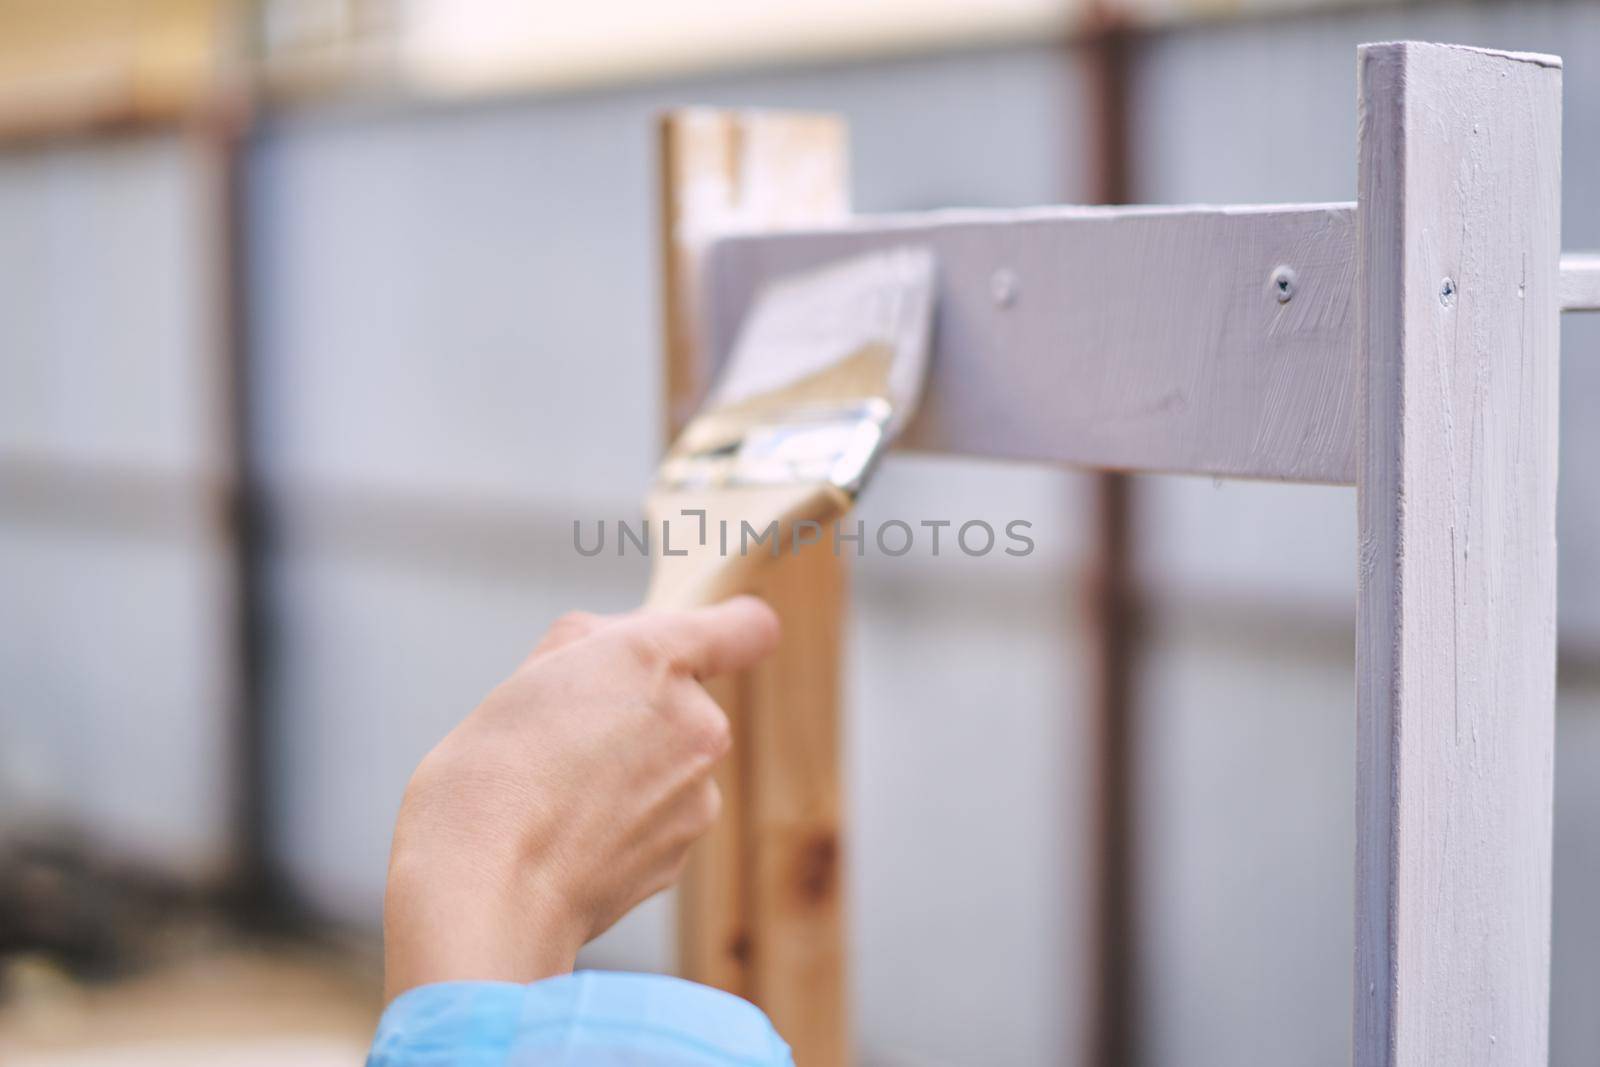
x: 760, y: 910
x: 723, y: 172
x: 1460, y: 154
x: 1151, y: 339
x: 797, y: 823
x: 1580, y: 282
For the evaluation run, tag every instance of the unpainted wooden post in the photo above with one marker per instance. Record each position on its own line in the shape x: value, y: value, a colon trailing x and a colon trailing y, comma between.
x: 760, y: 910
x: 1459, y: 239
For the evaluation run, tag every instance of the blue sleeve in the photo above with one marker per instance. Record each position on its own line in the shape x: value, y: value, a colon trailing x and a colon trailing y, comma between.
x: 592, y: 1019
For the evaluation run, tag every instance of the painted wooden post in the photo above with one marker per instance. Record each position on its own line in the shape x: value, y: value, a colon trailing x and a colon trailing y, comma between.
x: 1406, y: 343
x: 1457, y: 351
x: 761, y: 908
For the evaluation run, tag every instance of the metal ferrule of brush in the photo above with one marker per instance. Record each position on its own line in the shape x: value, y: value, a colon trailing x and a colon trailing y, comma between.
x: 834, y: 443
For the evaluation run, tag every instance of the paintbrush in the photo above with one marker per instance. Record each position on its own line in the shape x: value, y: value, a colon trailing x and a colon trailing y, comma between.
x: 827, y: 368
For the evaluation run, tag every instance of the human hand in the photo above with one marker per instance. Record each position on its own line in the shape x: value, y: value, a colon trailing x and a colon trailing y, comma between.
x: 568, y: 796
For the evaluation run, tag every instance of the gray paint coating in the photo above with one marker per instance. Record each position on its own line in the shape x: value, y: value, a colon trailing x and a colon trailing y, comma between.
x: 1252, y: 112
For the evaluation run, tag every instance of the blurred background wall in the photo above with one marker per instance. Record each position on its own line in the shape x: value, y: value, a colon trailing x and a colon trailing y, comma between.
x: 431, y: 258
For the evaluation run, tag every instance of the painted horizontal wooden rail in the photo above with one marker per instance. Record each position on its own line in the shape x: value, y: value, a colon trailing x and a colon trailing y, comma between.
x: 1205, y: 340
x: 1580, y: 282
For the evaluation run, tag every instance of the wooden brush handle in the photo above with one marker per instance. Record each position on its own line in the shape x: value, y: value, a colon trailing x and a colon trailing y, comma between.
x: 705, y: 574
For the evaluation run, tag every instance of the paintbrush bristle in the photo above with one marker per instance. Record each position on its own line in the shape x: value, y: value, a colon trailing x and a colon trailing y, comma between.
x: 827, y: 369
x: 804, y: 324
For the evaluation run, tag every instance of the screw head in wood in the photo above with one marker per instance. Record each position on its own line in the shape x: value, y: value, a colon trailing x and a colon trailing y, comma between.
x: 1003, y: 287
x: 1283, y: 283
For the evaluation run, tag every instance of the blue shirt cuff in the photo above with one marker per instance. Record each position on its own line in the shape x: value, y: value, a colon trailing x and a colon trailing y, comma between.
x: 592, y: 1018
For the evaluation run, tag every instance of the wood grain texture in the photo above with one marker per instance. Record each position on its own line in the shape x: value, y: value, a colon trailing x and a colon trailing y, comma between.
x: 730, y: 171
x: 760, y: 910
x: 1580, y: 282
x: 1149, y: 339
x: 697, y: 159
x: 1459, y: 182
x: 796, y: 823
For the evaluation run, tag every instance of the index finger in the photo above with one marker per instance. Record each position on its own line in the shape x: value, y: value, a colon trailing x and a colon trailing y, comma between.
x: 719, y: 639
